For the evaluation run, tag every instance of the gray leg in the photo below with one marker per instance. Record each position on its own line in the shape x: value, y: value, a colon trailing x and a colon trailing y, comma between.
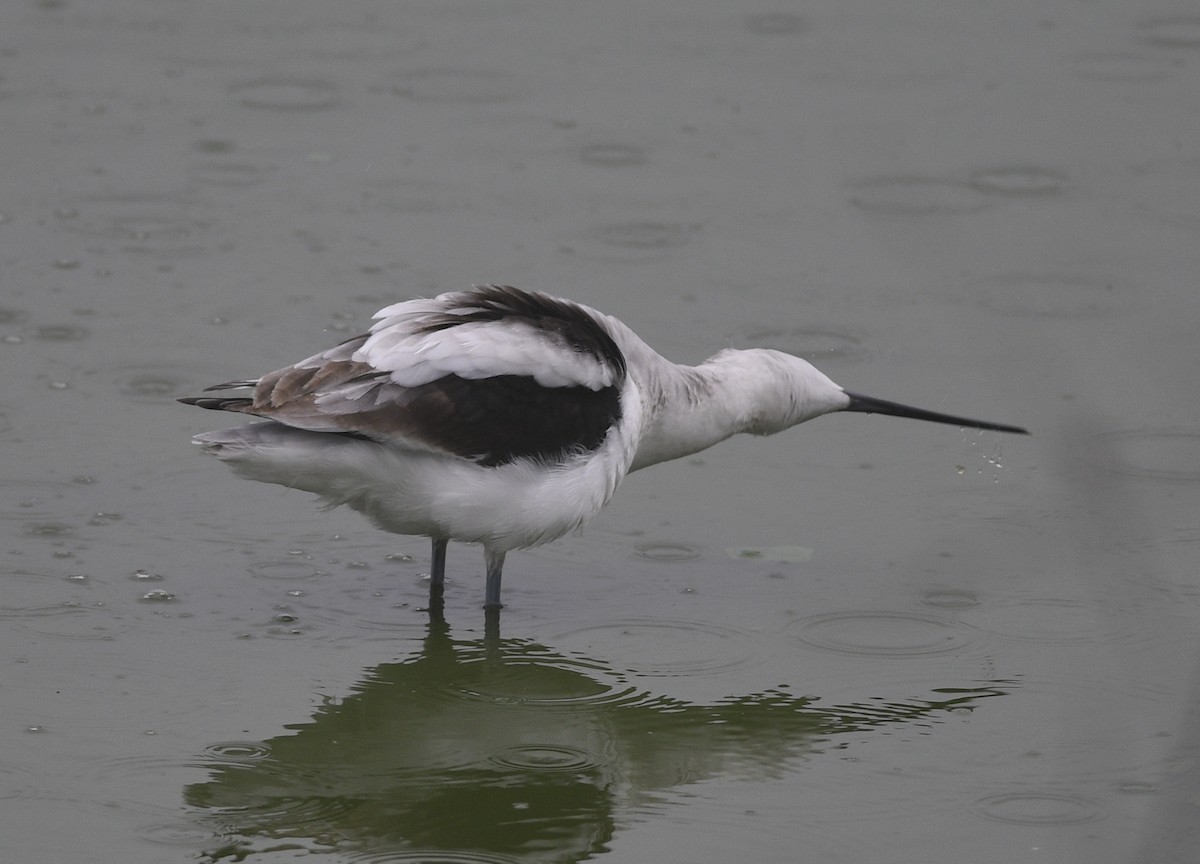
x: 495, y: 563
x: 437, y: 570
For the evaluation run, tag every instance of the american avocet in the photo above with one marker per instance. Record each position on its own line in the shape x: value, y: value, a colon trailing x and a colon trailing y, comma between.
x: 505, y: 417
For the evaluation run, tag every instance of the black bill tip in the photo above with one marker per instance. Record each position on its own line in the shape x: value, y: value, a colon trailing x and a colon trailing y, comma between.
x: 870, y: 405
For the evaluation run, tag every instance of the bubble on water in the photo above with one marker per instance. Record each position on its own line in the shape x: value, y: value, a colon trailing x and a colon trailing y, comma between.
x: 157, y: 596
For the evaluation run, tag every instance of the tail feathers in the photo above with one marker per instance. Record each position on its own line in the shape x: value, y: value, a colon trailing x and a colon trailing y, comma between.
x: 219, y: 403
x: 233, y: 385
x: 224, y: 403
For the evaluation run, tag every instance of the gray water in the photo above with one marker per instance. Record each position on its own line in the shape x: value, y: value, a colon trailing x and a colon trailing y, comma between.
x: 864, y: 639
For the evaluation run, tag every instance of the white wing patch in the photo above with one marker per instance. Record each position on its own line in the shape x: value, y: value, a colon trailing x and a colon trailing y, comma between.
x: 400, y: 344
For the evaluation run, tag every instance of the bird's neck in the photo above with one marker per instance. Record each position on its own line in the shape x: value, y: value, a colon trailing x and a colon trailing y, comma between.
x: 687, y: 409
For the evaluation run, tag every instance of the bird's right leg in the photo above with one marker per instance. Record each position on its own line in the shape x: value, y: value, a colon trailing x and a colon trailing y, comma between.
x: 494, y: 559
x: 437, y: 570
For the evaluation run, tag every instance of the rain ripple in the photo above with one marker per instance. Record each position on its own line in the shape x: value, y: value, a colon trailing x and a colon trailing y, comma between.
x: 285, y: 94
x: 1053, y: 619
x: 1171, y: 455
x: 432, y: 856
x: 881, y: 634
x: 653, y: 647
x: 1036, y: 808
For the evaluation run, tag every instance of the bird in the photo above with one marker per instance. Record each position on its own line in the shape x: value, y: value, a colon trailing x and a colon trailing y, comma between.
x: 506, y: 417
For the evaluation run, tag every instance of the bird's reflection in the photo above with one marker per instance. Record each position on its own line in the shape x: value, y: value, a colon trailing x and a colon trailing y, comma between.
x: 503, y: 747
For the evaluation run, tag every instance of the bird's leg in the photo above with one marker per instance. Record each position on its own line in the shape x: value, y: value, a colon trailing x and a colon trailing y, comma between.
x: 437, y: 570
x: 495, y: 563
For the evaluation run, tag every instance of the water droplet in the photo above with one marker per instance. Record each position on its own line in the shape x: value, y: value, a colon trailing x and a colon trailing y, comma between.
x: 781, y: 554
x: 35, y: 729
x: 77, y: 577
x: 158, y: 596
x: 143, y: 576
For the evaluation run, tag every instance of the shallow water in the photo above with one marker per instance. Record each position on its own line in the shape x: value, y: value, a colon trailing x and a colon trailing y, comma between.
x: 863, y: 639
